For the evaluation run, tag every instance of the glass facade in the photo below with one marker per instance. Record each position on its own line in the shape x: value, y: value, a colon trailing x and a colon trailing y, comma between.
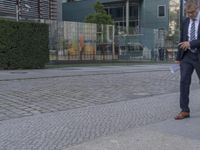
x: 118, y: 13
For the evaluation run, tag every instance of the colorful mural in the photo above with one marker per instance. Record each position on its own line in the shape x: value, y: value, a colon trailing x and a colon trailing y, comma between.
x: 80, y: 41
x: 80, y: 38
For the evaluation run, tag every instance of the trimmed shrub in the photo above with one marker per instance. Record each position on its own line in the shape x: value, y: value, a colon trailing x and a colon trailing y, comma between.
x: 23, y: 45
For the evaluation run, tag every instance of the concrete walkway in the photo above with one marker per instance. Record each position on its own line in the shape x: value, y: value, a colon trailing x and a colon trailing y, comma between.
x: 97, y: 108
x: 166, y: 135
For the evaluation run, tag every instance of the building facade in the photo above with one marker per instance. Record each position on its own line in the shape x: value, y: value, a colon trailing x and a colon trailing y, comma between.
x: 143, y: 21
x: 29, y: 9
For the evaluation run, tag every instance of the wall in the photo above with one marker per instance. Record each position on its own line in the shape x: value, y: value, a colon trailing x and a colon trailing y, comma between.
x: 151, y: 21
x: 77, y: 11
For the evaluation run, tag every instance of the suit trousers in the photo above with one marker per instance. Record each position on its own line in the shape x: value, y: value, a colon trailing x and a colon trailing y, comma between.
x: 190, y: 62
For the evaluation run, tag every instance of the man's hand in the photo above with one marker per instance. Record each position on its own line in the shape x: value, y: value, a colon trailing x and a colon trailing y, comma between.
x: 184, y: 45
x: 178, y: 62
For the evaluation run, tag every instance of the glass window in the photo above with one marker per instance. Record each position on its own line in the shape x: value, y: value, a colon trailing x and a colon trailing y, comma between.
x: 133, y: 12
x: 107, y: 10
x: 161, y: 11
x: 133, y: 23
x: 116, y: 12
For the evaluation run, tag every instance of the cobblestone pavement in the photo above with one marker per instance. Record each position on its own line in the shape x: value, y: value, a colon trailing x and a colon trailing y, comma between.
x: 50, y: 109
x: 27, y: 97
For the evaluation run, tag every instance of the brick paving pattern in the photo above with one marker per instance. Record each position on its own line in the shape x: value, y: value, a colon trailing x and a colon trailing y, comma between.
x: 46, y: 112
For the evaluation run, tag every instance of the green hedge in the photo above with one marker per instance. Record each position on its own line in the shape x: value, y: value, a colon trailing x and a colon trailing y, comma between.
x: 23, y: 45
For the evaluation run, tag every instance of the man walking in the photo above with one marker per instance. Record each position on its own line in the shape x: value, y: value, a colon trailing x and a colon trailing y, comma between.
x: 188, y: 55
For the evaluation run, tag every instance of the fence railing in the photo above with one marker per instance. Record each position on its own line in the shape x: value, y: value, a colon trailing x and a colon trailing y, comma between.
x: 81, y: 41
x: 86, y: 41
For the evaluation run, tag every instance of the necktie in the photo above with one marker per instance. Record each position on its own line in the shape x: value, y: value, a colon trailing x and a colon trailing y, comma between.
x: 192, y: 35
x: 192, y: 31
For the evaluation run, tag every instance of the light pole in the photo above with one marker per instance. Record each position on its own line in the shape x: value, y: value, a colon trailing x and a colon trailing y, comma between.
x: 17, y: 9
x: 181, y: 12
x: 127, y: 16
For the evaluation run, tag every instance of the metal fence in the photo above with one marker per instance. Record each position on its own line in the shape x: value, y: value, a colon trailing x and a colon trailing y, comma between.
x: 86, y: 41
x: 81, y: 41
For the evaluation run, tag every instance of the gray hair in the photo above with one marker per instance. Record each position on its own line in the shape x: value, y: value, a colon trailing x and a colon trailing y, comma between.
x: 192, y: 4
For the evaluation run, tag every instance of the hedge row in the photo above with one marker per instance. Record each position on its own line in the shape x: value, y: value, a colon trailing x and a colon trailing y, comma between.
x: 23, y: 45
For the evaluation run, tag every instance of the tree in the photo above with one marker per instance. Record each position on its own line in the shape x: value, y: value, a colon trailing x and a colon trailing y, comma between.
x: 174, y: 24
x: 102, y: 19
x: 100, y: 16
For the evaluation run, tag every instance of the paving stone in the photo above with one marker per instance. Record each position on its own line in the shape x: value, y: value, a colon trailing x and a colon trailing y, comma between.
x: 58, y: 108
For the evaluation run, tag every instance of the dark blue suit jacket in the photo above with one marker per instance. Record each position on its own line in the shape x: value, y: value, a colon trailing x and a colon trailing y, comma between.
x: 195, y: 44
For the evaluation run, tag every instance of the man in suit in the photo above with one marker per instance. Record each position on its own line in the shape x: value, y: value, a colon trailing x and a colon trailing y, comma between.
x: 188, y: 55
